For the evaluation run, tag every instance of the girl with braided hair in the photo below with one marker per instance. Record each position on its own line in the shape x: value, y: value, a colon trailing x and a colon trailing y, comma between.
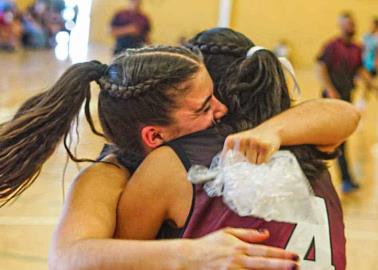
x: 172, y: 87
x: 147, y: 96
x: 254, y: 89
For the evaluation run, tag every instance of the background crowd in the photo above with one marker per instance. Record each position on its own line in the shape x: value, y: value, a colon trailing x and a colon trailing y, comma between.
x: 35, y: 27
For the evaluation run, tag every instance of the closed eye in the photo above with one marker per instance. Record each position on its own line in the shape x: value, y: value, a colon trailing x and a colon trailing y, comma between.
x: 207, y: 109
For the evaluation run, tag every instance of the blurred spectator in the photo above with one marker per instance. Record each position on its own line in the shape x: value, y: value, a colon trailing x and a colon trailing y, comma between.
x: 41, y: 22
x: 35, y: 35
x: 130, y: 27
x: 340, y: 62
x: 371, y: 49
x: 10, y: 26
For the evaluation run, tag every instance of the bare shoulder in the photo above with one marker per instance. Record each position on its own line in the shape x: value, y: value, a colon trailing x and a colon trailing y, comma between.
x: 161, y: 177
x: 157, y: 191
x: 98, y: 173
x: 160, y: 165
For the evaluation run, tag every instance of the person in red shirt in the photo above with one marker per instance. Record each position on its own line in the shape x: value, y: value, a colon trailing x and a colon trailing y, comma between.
x: 130, y: 27
x: 340, y: 62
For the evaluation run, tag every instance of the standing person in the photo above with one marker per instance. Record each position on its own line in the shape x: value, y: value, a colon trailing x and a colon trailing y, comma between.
x: 10, y: 26
x: 370, y: 59
x: 130, y: 27
x: 339, y: 63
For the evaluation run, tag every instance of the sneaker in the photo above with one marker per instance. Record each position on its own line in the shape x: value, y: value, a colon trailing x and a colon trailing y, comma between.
x: 349, y: 186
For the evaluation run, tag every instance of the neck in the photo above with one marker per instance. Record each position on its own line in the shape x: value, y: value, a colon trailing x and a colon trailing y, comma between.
x: 346, y: 38
x: 134, y: 8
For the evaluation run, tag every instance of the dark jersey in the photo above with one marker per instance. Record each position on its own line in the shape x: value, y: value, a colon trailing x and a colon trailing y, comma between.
x: 342, y: 61
x: 319, y: 246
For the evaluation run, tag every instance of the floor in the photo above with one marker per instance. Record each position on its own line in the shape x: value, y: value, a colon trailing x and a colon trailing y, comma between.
x: 26, y: 225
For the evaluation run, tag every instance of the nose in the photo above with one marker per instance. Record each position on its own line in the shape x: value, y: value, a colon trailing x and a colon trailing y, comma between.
x: 219, y: 109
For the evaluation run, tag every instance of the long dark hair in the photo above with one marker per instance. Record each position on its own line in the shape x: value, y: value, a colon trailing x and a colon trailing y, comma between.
x: 253, y: 88
x: 220, y: 48
x: 137, y: 89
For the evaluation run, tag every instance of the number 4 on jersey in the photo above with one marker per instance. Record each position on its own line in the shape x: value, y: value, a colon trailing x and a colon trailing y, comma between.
x: 312, y: 242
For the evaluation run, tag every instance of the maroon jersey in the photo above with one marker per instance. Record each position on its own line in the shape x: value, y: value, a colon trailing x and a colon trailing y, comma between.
x: 320, y: 246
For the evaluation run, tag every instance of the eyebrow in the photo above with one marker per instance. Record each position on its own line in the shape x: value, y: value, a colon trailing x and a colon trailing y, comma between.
x: 204, y: 104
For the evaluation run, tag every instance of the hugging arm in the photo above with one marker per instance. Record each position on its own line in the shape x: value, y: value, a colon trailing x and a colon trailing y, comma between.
x: 153, y: 196
x: 83, y: 241
x: 325, y: 123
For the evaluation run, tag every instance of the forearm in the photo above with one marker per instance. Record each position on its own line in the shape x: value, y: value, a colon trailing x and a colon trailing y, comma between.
x: 102, y: 254
x: 322, y: 122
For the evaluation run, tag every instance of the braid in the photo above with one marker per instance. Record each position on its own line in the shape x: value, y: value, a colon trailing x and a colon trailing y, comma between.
x: 142, y: 87
x: 213, y: 48
x: 127, y: 88
x: 127, y: 91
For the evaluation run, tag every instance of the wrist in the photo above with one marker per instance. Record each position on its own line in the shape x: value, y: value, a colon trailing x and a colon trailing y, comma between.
x: 275, y: 130
x: 184, y: 254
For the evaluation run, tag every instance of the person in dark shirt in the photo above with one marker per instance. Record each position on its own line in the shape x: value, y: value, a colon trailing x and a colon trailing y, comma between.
x: 340, y: 62
x: 130, y: 27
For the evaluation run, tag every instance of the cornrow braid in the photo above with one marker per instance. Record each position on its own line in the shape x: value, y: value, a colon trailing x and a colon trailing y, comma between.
x: 192, y: 55
x: 213, y: 48
x: 126, y: 91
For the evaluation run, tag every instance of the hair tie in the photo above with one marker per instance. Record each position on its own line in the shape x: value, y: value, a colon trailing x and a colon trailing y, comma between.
x: 102, y: 67
x: 253, y: 50
x: 284, y: 62
x: 289, y: 68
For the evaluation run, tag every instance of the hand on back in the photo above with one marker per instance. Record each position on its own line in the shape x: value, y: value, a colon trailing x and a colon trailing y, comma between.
x: 232, y: 248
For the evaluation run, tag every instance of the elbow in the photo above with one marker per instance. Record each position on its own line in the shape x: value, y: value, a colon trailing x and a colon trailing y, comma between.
x: 57, y: 260
x: 354, y: 116
x: 63, y: 258
x: 351, y: 117
x: 357, y: 116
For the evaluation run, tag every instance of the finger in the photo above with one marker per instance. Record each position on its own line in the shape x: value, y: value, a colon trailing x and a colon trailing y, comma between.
x: 262, y: 154
x: 260, y: 263
x: 271, y: 252
x: 248, y: 235
x: 237, y: 142
x: 270, y: 153
x: 229, y: 143
x: 265, y: 153
x: 252, y: 151
x: 244, y: 147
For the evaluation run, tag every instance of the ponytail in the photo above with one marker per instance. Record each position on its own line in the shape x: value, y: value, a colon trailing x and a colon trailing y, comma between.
x: 255, y: 89
x: 29, y: 139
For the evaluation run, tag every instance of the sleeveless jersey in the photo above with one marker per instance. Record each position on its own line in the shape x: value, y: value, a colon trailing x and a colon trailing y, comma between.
x: 320, y: 247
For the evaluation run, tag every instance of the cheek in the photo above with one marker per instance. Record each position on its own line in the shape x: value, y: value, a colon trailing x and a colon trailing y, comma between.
x: 192, y: 126
x: 203, y: 122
